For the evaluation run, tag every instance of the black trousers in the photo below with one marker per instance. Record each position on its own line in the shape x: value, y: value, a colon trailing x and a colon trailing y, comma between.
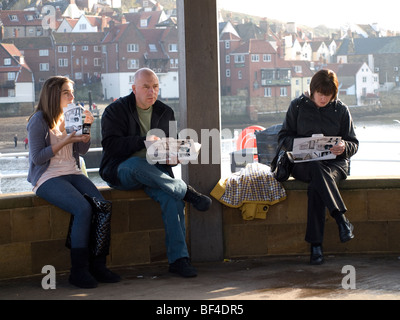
x: 323, y: 193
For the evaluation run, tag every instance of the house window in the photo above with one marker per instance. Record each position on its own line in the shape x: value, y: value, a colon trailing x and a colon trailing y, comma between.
x: 173, y: 47
x: 239, y: 58
x: 133, y: 47
x: 85, y: 48
x: 267, y: 92
x: 44, y: 67
x: 131, y: 79
x: 97, y: 62
x: 255, y: 58
x: 133, y: 64
x: 143, y: 23
x: 283, y: 92
x: 63, y: 62
x: 11, y: 92
x: 7, y: 61
x: 62, y: 49
x: 227, y: 58
x: 173, y: 63
x: 13, y: 17
x: 96, y: 49
x: 228, y: 73
x: 298, y: 69
x: 240, y: 74
x: 11, y: 76
x: 44, y: 53
x: 364, y: 79
x: 82, y: 27
x: 152, y: 47
x: 266, y: 57
x: 227, y: 44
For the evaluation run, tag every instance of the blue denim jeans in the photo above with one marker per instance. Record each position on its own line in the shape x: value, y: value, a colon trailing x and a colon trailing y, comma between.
x: 137, y: 173
x: 66, y: 192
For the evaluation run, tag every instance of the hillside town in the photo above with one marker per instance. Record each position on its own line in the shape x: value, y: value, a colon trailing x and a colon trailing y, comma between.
x: 94, y: 43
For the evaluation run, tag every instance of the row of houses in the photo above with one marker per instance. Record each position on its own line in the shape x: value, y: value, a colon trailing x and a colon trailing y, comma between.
x: 261, y: 66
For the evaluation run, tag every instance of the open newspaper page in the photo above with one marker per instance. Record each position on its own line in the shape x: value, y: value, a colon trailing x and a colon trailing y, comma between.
x: 172, y: 150
x: 73, y: 118
x: 313, y: 148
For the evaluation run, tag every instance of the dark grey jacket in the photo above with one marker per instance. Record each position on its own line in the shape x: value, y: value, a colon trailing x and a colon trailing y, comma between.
x: 304, y: 118
x: 40, y: 150
x: 121, y: 137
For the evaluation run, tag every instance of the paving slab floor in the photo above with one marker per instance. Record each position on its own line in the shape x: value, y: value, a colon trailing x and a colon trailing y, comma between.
x: 356, y: 277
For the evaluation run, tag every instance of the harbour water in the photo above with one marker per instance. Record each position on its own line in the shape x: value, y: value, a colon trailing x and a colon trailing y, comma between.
x: 378, y: 155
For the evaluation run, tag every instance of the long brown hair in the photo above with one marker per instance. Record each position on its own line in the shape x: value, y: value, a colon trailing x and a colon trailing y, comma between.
x: 49, y: 99
x: 326, y: 82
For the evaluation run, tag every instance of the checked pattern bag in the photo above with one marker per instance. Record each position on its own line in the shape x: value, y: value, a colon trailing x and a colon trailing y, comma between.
x: 100, y: 230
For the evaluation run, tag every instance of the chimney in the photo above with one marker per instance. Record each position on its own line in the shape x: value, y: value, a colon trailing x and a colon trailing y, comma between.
x: 264, y: 25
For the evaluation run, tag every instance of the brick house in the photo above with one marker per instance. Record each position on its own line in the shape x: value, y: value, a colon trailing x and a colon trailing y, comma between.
x: 16, y: 78
x: 253, y: 68
x: 381, y: 54
x: 21, y: 23
x: 125, y: 49
x: 78, y: 56
x: 39, y: 54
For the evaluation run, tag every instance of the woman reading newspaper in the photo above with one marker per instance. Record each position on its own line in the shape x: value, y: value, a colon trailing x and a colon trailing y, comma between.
x: 321, y: 113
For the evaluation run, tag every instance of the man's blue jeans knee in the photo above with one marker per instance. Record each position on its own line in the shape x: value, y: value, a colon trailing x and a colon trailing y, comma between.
x: 137, y: 173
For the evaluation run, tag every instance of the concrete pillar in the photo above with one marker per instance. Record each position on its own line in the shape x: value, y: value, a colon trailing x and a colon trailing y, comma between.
x: 200, y: 110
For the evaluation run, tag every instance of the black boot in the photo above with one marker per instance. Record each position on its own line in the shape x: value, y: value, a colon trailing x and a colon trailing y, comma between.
x: 199, y: 201
x: 183, y: 267
x: 99, y: 271
x: 80, y: 275
x: 345, y: 227
x: 316, y: 256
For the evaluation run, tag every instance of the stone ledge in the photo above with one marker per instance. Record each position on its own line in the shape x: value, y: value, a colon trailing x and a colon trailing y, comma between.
x: 353, y: 182
x: 32, y: 232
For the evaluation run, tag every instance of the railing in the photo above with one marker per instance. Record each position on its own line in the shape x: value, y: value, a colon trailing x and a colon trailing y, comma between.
x: 227, y: 146
x: 26, y: 154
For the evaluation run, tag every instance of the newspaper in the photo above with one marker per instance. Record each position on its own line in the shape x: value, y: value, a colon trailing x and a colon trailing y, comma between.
x: 73, y: 118
x: 172, y: 150
x: 313, y: 148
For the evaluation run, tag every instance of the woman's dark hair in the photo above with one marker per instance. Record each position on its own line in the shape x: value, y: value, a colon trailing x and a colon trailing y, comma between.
x: 326, y: 82
x: 49, y: 99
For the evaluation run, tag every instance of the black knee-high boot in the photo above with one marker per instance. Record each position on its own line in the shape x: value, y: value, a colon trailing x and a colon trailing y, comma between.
x: 80, y: 275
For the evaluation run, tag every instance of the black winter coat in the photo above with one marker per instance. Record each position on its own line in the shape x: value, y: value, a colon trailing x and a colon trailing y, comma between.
x: 120, y: 131
x: 304, y: 118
